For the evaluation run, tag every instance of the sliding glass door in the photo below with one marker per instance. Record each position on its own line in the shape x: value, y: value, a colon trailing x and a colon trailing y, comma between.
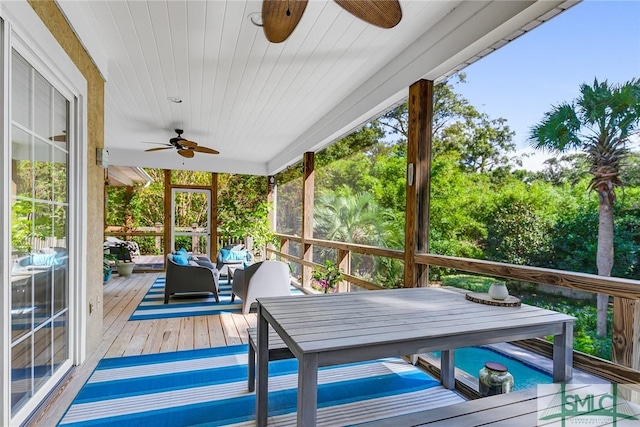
x: 39, y: 231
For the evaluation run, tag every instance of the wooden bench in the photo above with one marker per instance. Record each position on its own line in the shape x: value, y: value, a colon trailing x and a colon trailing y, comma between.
x: 518, y: 408
x: 278, y: 350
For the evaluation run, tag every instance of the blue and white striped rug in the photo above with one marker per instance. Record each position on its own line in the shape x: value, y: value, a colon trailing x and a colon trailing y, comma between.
x: 208, y: 387
x: 152, y: 305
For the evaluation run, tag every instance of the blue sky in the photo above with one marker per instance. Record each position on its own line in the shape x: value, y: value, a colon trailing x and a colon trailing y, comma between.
x: 521, y: 81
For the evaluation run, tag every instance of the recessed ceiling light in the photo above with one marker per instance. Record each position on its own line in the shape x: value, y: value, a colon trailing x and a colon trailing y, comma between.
x: 175, y: 99
x: 255, y: 18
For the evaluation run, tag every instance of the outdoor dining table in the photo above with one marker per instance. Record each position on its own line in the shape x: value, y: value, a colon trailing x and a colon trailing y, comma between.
x: 333, y: 329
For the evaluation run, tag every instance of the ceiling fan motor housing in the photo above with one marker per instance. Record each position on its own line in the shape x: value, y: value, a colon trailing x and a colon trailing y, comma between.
x: 185, y: 147
x: 176, y: 139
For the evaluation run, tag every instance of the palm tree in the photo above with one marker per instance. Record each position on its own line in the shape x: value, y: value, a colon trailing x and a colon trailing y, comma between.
x: 599, y: 122
x: 351, y: 218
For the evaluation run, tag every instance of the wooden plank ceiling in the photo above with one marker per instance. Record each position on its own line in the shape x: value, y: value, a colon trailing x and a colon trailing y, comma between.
x: 262, y: 104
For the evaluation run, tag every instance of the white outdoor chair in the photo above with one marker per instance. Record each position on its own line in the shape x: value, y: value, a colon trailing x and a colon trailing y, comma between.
x: 263, y: 279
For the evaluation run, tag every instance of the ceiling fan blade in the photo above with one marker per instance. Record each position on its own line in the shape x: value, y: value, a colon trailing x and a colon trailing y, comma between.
x: 158, y: 149
x: 206, y: 150
x: 381, y: 13
x: 187, y: 143
x: 280, y: 17
x: 186, y: 153
x: 157, y: 143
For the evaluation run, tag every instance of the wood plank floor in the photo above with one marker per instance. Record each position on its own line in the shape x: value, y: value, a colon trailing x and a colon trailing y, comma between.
x: 121, y: 337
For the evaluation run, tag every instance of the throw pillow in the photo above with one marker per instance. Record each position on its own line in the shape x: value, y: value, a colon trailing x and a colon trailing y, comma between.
x: 180, y: 259
x: 237, y: 255
x: 182, y: 251
x: 46, y: 259
x: 224, y: 254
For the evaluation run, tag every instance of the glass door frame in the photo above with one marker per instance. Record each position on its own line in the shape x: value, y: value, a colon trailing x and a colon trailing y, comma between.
x: 49, y: 59
x: 206, y: 233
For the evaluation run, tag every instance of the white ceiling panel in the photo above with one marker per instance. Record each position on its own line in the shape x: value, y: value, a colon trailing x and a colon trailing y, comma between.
x: 262, y: 105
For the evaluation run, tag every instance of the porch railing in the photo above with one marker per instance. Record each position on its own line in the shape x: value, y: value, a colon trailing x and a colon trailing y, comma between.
x: 626, y: 292
x: 157, y: 232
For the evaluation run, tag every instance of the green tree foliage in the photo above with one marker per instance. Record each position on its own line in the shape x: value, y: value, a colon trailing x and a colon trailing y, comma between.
x: 575, y: 235
x: 480, y: 143
x: 599, y: 122
x: 361, y: 141
x: 519, y: 222
x: 389, y: 185
x: 568, y: 169
x: 458, y: 200
x: 347, y: 217
x: 630, y: 175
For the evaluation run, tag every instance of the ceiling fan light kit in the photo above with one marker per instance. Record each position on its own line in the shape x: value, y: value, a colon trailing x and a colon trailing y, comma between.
x: 184, y: 147
x: 280, y: 17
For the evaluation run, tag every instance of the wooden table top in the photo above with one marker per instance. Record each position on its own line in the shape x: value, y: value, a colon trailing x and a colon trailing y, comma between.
x: 328, y: 322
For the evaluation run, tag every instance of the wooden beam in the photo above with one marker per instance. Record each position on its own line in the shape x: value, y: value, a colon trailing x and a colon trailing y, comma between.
x: 213, y: 227
x: 272, y: 197
x: 344, y: 265
x: 420, y: 105
x: 423, y: 176
x: 128, y: 215
x: 626, y: 325
x: 347, y: 277
x: 167, y: 212
x: 272, y: 201
x: 362, y: 249
x: 191, y: 187
x: 624, y: 288
x: 289, y: 237
x: 308, y: 184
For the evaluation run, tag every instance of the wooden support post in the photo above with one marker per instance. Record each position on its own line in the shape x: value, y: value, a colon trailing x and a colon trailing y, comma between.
x: 344, y: 264
x: 158, y: 228
x: 167, y: 212
x: 284, y: 246
x: 195, y: 246
x: 128, y: 214
x: 213, y: 231
x: 626, y: 332
x: 308, y: 183
x: 272, y: 200
x: 420, y: 105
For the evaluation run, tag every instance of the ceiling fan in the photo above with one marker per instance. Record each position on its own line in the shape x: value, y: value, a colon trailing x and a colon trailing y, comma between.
x: 185, y: 147
x: 280, y: 17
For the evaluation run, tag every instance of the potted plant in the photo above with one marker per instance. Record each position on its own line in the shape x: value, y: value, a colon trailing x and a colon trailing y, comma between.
x: 106, y: 266
x: 325, y: 279
x: 123, y: 260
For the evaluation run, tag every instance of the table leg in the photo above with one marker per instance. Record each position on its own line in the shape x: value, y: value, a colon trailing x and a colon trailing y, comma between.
x: 563, y: 354
x: 262, y: 385
x: 448, y: 369
x: 251, y: 370
x: 307, y: 390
